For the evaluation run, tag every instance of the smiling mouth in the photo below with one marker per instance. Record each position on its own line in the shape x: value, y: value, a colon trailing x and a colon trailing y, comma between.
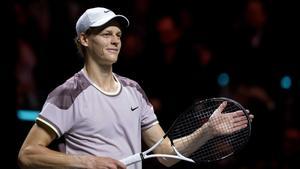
x: 113, y: 50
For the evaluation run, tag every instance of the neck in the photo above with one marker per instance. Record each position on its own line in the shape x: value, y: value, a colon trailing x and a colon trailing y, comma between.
x: 102, y: 76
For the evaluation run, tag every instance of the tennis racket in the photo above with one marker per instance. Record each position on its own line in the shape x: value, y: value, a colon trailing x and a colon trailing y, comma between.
x: 195, y: 140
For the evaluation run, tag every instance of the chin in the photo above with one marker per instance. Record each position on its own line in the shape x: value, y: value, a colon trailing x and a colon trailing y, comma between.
x: 114, y: 60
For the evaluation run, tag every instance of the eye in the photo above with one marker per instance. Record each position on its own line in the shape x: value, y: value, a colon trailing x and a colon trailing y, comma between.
x: 106, y: 34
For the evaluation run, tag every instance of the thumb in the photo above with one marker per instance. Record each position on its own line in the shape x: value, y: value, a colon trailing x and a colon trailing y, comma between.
x: 220, y: 108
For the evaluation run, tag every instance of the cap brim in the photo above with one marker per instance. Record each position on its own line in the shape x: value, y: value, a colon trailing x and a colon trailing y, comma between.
x: 122, y: 20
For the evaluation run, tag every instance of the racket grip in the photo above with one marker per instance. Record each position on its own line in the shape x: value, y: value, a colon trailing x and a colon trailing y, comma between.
x: 132, y: 159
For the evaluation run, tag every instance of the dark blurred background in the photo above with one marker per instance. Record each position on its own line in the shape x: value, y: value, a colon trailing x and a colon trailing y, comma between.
x: 179, y: 51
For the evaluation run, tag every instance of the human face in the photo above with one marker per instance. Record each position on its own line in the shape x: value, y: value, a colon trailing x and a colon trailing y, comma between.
x: 103, y: 46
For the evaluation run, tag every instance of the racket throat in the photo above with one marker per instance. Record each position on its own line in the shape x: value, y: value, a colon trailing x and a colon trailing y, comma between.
x: 177, y: 155
x: 182, y: 157
x: 142, y: 156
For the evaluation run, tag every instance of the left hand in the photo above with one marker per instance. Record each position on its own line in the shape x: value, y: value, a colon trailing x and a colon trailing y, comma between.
x: 227, y: 123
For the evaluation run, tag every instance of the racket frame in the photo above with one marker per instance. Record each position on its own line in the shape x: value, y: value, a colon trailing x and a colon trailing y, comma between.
x: 144, y: 155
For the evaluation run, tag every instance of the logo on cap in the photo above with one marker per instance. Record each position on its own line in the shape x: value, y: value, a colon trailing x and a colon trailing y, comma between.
x: 106, y: 11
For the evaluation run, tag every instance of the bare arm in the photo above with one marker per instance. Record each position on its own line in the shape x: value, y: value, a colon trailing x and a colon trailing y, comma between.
x: 35, y: 154
x: 153, y: 134
x: 191, y: 143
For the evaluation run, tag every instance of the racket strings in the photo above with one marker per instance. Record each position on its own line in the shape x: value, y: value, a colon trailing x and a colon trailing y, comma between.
x: 218, y: 147
x: 222, y: 146
x: 190, y: 122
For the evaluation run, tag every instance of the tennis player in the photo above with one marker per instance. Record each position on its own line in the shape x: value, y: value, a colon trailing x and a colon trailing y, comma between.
x: 102, y: 116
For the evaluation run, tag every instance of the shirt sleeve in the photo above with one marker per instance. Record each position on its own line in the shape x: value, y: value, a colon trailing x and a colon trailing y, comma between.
x: 148, y: 116
x: 59, y: 120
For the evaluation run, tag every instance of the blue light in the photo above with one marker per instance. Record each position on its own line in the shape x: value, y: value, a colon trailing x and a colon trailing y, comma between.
x: 27, y: 115
x: 286, y: 82
x: 223, y: 79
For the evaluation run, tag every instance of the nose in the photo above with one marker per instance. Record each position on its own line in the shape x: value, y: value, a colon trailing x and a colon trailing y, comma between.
x: 115, y: 40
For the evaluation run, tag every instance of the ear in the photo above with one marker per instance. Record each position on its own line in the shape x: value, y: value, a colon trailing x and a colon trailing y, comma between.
x: 83, y: 39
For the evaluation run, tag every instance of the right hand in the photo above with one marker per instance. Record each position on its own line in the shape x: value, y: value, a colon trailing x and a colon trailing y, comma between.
x: 105, y: 163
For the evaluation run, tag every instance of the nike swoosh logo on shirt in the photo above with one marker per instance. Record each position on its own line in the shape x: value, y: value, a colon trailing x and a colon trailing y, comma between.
x: 134, y: 108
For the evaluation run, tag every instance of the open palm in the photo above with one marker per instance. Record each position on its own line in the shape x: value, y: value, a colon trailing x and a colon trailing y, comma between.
x: 226, y: 123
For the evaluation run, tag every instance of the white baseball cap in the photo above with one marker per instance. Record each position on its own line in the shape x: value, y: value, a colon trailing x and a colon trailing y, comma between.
x: 98, y: 16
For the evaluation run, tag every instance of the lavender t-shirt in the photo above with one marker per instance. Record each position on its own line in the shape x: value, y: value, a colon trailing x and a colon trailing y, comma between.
x: 98, y: 123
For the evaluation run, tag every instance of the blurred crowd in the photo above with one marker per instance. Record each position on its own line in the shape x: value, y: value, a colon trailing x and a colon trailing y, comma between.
x: 175, y: 50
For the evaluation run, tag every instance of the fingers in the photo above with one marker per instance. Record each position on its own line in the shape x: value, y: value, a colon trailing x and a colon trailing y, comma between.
x: 240, y: 116
x: 109, y: 163
x: 238, y: 113
x: 120, y: 165
x: 220, y: 108
x: 239, y: 127
x: 240, y: 121
x: 117, y: 165
x: 241, y: 113
x: 251, y: 116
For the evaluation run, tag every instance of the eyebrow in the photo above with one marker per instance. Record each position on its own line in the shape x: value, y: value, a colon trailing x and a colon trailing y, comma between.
x: 110, y: 31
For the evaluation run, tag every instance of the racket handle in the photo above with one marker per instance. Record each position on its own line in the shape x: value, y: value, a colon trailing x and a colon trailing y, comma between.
x: 132, y: 159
